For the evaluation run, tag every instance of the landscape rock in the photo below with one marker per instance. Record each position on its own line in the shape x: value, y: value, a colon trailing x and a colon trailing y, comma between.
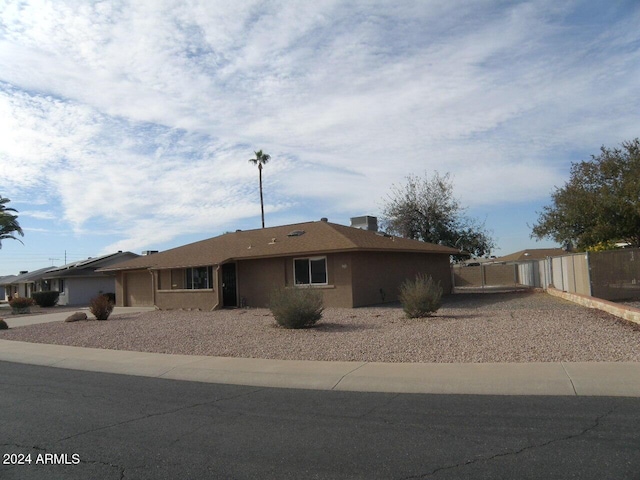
x: 76, y: 316
x: 3, y: 324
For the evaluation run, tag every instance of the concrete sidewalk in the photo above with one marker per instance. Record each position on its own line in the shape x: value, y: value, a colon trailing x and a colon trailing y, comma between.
x: 557, y: 378
x: 23, y: 320
x: 575, y: 379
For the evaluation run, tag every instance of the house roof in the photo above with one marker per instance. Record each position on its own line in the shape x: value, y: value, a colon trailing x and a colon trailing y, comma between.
x: 28, y: 277
x: 7, y: 279
x: 531, y: 254
x: 89, y: 265
x: 310, y: 238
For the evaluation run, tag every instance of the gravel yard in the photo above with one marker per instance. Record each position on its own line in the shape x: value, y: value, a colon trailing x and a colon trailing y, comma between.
x: 478, y: 328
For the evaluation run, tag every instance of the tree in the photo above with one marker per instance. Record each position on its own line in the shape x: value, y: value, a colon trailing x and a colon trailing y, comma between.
x: 8, y: 222
x: 425, y: 209
x: 261, y: 159
x: 599, y: 204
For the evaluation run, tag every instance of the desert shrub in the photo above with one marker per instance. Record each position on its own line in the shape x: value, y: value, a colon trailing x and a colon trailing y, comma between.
x: 111, y: 297
x: 101, y: 307
x: 420, y: 297
x: 3, y: 324
x: 21, y: 304
x: 296, y: 307
x: 46, y: 299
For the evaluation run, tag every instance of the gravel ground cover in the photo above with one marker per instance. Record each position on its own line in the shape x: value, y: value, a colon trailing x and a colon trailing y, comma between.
x: 477, y: 328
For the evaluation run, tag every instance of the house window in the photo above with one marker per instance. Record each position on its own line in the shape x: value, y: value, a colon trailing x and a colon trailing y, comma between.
x: 310, y: 271
x: 197, y: 278
x: 61, y: 285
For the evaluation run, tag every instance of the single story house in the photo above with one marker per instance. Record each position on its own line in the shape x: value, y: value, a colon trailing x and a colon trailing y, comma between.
x: 352, y: 267
x: 79, y: 282
x: 531, y: 254
x: 25, y: 283
x: 5, y: 281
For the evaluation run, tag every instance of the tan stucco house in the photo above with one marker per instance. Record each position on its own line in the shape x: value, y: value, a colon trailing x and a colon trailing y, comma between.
x: 352, y: 267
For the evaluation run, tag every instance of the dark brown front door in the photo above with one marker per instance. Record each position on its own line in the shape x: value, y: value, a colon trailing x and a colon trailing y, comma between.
x: 229, y: 291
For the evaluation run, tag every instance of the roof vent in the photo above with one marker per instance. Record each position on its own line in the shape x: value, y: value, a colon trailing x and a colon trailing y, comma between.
x: 295, y: 233
x: 22, y: 272
x: 273, y: 241
x: 365, y: 223
x: 324, y: 219
x: 149, y: 252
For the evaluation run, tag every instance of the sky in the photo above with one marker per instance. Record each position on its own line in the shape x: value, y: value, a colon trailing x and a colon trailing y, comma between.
x: 128, y: 125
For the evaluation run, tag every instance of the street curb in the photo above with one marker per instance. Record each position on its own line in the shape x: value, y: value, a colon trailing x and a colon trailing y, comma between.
x: 552, y: 378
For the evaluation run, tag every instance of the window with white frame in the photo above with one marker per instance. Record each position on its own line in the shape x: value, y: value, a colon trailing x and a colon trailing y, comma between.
x: 310, y: 271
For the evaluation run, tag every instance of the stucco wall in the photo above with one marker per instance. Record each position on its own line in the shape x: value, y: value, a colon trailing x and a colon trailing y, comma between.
x: 339, y: 293
x: 119, y: 289
x: 194, y: 299
x: 134, y: 288
x: 257, y: 278
x: 377, y: 276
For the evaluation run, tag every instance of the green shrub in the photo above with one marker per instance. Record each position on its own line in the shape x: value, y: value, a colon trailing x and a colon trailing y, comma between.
x: 46, y: 299
x: 21, y: 304
x: 296, y: 307
x: 3, y: 324
x: 101, y: 307
x: 420, y: 297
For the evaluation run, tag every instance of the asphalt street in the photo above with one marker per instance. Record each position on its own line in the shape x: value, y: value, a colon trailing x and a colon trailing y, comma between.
x: 71, y: 424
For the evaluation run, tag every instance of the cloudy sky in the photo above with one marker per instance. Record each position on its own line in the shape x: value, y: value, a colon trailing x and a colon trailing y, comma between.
x: 128, y: 125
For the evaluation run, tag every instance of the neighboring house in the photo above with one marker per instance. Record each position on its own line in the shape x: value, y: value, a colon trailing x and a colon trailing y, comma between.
x: 531, y: 254
x: 350, y: 266
x: 5, y: 282
x: 25, y: 283
x: 79, y: 282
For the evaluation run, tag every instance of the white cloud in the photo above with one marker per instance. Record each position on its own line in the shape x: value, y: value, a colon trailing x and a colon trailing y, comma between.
x: 38, y: 214
x: 139, y: 117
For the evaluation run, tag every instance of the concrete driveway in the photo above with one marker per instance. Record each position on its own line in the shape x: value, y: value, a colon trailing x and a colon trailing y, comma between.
x: 59, y: 316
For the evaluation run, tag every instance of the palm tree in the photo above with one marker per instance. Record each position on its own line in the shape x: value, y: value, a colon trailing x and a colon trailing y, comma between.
x: 8, y: 222
x: 261, y: 159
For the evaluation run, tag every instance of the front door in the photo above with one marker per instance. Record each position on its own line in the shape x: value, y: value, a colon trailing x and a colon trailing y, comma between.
x: 229, y: 291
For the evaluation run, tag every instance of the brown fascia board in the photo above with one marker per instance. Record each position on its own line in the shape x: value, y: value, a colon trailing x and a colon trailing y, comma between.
x: 292, y: 254
x: 115, y: 268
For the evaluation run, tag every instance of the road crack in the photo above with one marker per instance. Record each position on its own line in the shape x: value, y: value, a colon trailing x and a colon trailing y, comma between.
x: 586, y: 430
x: 158, y: 414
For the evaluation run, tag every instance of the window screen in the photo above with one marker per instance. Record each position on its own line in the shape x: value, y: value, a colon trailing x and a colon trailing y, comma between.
x: 310, y: 271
